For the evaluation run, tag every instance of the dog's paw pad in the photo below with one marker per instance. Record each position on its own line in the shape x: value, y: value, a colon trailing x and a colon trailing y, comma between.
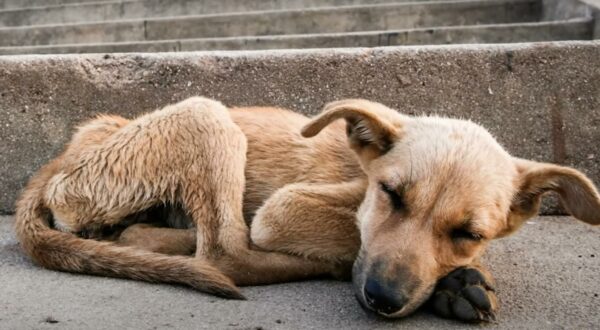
x: 463, y: 310
x: 477, y: 296
x: 465, y: 295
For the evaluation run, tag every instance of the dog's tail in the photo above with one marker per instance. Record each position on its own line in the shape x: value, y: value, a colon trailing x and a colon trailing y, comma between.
x: 58, y: 250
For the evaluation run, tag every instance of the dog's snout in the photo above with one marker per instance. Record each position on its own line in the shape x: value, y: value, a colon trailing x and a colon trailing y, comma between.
x: 382, y: 299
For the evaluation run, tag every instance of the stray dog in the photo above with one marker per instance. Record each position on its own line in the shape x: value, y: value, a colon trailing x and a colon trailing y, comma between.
x: 405, y: 205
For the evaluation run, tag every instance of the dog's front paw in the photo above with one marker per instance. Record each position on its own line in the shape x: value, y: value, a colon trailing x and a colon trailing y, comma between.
x: 466, y: 294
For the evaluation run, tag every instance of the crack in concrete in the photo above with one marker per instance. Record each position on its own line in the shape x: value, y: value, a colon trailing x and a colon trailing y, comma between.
x: 559, y: 147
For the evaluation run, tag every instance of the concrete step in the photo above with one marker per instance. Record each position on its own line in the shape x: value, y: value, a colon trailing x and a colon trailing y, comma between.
x: 321, y: 20
x: 576, y: 29
x: 15, y: 4
x: 539, y: 100
x: 131, y: 9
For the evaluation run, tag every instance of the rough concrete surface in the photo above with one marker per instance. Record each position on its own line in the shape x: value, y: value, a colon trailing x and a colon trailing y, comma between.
x: 547, y: 278
x: 541, y: 101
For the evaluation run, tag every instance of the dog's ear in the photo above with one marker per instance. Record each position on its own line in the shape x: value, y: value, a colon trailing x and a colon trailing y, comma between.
x: 576, y: 191
x: 372, y: 127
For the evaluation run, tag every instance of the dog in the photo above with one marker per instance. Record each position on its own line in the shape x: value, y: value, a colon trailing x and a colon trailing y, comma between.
x: 215, y: 198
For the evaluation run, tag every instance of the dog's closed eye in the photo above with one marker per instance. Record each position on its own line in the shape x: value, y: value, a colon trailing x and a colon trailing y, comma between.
x: 396, y: 198
x: 463, y: 233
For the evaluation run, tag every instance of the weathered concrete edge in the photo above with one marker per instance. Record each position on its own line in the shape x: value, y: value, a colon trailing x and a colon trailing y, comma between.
x: 485, y: 52
x: 453, y: 49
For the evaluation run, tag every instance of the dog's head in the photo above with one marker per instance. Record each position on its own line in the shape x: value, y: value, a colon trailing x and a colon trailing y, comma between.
x: 439, y: 190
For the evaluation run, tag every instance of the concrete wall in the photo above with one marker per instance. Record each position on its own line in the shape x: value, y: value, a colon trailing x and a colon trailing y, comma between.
x: 542, y: 101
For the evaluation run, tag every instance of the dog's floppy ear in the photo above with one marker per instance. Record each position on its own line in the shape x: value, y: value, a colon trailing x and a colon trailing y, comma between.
x: 372, y: 127
x: 577, y: 193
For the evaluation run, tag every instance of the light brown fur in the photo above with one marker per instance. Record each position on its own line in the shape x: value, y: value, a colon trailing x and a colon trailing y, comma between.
x: 411, y: 200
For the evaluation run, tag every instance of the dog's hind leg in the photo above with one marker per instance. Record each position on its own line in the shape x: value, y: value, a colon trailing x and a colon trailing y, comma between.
x: 138, y: 165
x: 159, y: 239
x: 223, y: 235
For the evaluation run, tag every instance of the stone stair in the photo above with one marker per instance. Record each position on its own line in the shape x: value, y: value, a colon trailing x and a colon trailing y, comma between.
x: 65, y: 26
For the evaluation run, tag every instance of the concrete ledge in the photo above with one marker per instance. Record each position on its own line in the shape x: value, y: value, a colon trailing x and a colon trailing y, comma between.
x: 347, y: 19
x: 540, y: 100
x: 547, y: 278
x: 575, y: 29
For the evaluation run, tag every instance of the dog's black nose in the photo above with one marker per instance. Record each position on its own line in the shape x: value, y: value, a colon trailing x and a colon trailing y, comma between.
x: 381, y: 299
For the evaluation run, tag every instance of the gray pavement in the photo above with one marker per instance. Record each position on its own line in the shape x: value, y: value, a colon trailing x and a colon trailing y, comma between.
x: 547, y: 278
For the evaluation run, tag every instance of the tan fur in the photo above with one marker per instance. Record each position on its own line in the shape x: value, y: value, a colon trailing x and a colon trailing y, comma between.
x: 314, y: 205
